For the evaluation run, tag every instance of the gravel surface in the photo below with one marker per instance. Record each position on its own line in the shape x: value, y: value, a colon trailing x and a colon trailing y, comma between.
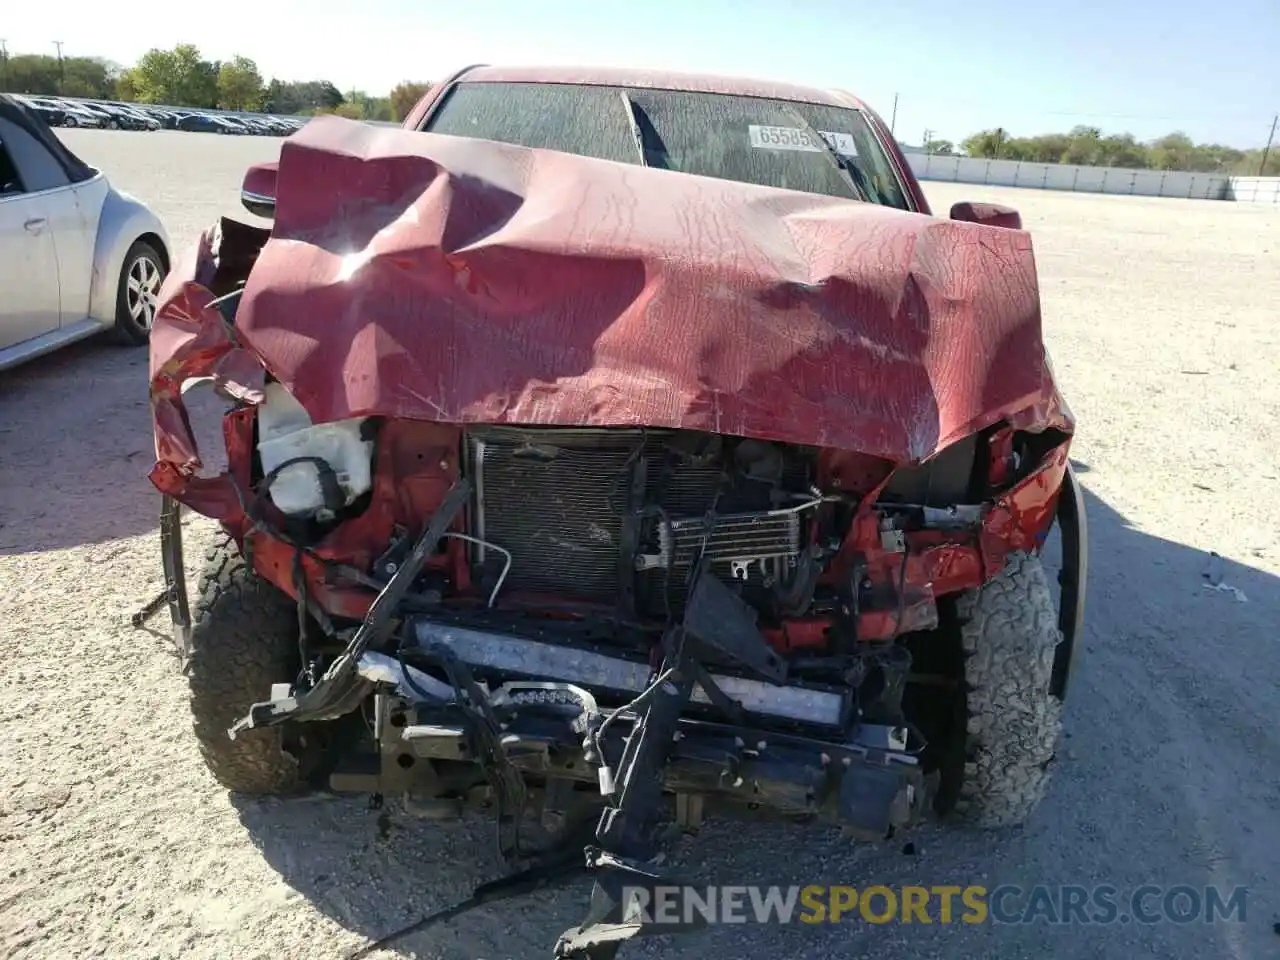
x: 1162, y: 318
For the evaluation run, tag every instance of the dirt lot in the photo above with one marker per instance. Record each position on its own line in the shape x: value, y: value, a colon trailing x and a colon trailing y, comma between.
x: 1162, y: 318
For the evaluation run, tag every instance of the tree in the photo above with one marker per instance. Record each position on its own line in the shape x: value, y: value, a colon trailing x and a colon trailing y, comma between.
x: 940, y: 148
x: 126, y: 86
x: 298, y: 97
x: 405, y: 96
x: 986, y: 143
x: 177, y: 77
x: 239, y: 85
x: 1173, y: 151
x: 33, y: 73
x: 366, y: 107
x: 1121, y: 150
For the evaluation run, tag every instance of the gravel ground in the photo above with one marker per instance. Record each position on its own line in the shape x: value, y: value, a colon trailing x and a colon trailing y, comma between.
x: 1161, y: 315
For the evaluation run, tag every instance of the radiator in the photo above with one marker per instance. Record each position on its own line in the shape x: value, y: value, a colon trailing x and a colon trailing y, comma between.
x: 558, y: 500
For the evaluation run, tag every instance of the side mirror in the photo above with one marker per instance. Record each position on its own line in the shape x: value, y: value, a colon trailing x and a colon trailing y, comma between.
x: 987, y: 214
x: 258, y: 191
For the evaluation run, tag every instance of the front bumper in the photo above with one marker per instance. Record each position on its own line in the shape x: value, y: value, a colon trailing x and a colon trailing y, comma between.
x: 792, y: 750
x: 869, y: 790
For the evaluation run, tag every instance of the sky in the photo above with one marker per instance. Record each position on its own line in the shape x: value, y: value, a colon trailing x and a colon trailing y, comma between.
x: 1211, y: 70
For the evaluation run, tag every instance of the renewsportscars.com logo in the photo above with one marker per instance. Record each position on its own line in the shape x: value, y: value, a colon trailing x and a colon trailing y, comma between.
x: 1062, y: 904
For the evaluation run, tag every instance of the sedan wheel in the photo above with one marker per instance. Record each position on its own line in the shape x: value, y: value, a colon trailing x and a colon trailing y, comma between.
x: 139, y: 293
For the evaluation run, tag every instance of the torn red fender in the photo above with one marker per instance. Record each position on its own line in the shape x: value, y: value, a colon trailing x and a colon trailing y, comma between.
x: 190, y: 339
x: 1018, y: 521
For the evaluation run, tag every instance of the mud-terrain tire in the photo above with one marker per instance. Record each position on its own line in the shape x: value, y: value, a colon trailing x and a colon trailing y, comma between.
x: 1009, y: 634
x: 243, y: 639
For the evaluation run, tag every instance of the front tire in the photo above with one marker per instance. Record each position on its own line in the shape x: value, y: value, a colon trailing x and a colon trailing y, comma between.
x: 243, y: 640
x: 138, y: 294
x: 1009, y: 635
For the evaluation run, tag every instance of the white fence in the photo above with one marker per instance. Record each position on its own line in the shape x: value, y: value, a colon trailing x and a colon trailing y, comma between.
x: 1061, y: 176
x: 1254, y: 189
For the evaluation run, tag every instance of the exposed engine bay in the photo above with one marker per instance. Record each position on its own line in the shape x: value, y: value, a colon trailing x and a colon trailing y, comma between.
x: 599, y: 617
x: 593, y: 619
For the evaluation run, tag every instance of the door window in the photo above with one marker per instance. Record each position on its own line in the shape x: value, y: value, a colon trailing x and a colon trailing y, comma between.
x: 34, y: 168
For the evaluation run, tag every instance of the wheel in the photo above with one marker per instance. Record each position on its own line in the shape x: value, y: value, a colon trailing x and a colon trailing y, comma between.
x: 113, y: 125
x: 1012, y: 722
x: 138, y: 294
x: 69, y: 121
x: 243, y: 640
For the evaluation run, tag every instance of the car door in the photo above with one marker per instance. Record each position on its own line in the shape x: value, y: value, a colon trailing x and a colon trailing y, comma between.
x: 71, y: 213
x: 30, y: 298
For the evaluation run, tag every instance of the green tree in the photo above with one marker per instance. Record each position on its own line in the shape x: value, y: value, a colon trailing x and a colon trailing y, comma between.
x: 405, y: 96
x: 177, y: 77
x: 33, y: 73
x: 985, y: 143
x: 300, y: 97
x: 940, y: 148
x: 126, y: 86
x: 1173, y: 151
x: 240, y: 85
x: 366, y: 107
x: 1121, y: 150
x: 1084, y: 144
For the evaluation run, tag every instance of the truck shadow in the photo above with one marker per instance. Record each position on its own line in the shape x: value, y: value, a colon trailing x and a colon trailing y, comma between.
x: 374, y: 872
x: 76, y: 442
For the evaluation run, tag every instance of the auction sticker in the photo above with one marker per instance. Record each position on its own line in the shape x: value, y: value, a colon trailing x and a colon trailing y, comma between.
x: 794, y: 138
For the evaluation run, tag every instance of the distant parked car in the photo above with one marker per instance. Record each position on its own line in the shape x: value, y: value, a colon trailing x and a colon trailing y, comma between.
x: 77, y: 256
x: 232, y: 124
x: 118, y: 117
x: 52, y: 114
x: 143, y: 119
x: 199, y: 123
x: 106, y: 117
x: 69, y: 113
x: 169, y: 119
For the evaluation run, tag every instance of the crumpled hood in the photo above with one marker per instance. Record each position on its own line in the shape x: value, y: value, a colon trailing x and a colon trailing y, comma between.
x: 439, y: 278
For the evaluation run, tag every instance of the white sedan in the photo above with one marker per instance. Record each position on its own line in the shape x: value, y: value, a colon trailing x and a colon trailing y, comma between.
x: 77, y: 256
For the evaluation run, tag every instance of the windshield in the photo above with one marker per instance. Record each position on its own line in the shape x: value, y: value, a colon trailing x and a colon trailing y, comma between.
x: 748, y: 139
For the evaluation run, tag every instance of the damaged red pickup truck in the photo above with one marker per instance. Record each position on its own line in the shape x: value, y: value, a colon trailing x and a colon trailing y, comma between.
x: 604, y: 437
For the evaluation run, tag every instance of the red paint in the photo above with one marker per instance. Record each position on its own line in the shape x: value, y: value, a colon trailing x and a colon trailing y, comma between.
x: 808, y: 634
x: 988, y: 214
x: 471, y: 282
x: 460, y: 282
x: 999, y: 458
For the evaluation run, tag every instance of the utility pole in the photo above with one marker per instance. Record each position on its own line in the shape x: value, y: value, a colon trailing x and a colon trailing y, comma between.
x: 4, y: 62
x: 925, y: 140
x: 893, y: 119
x: 61, y: 70
x: 1267, y: 149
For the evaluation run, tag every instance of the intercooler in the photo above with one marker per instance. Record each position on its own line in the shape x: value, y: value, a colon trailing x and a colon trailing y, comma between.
x: 590, y: 514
